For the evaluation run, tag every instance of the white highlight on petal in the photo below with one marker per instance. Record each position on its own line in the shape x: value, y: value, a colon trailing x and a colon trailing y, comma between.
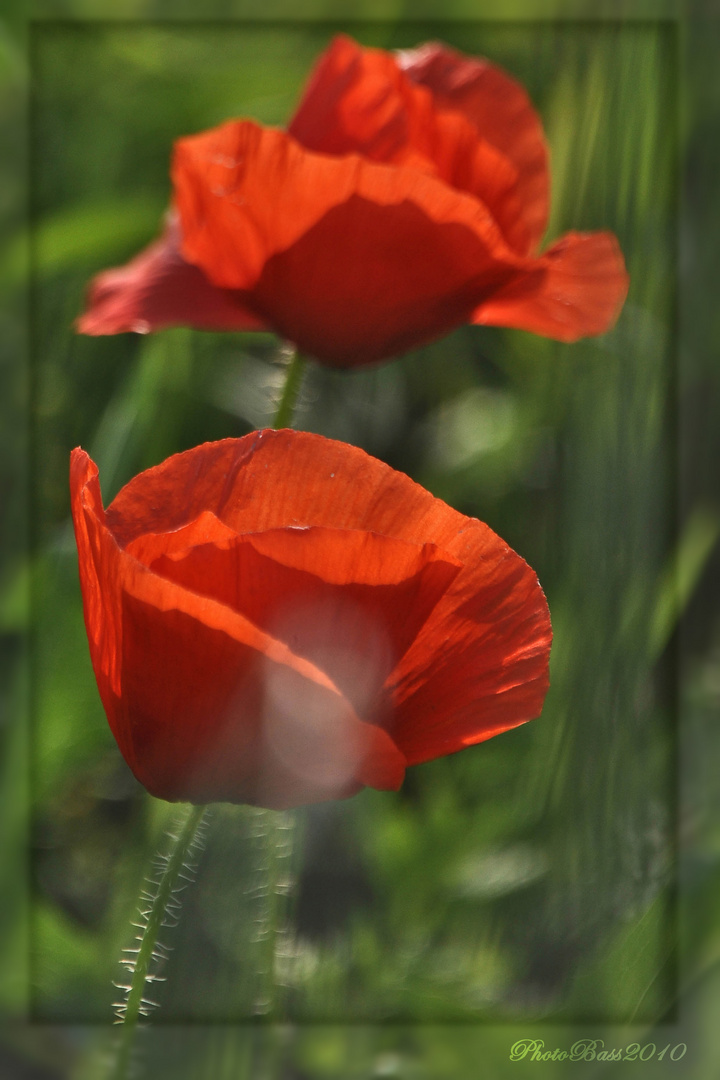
x: 317, y: 737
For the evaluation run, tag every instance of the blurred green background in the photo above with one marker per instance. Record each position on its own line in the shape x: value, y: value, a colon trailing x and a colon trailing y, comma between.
x: 525, y: 888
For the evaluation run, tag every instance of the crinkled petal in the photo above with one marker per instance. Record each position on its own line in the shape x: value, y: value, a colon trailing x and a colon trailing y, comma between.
x: 359, y: 101
x: 354, y: 103
x: 502, y: 112
x: 217, y: 717
x: 409, y: 198
x: 351, y: 260
x: 479, y: 663
x: 577, y: 289
x: 205, y: 705
x: 158, y: 289
x: 275, y: 479
x: 351, y: 602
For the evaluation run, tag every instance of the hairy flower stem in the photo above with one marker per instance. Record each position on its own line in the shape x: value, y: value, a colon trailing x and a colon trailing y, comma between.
x: 154, y: 918
x: 278, y: 839
x: 293, y: 378
x: 277, y: 832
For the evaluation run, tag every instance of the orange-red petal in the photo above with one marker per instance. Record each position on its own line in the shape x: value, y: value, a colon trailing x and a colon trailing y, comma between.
x: 158, y: 289
x: 354, y: 261
x: 576, y: 289
x: 483, y: 653
x: 477, y: 665
x: 359, y: 101
x: 349, y: 259
x: 409, y: 198
x: 203, y: 704
x: 352, y: 602
x: 502, y: 113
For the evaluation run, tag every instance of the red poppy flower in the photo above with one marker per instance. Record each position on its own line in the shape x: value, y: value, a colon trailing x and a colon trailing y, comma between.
x: 282, y: 619
x: 408, y: 196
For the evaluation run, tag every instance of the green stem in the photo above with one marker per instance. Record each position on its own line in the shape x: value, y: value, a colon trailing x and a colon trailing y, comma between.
x: 293, y: 378
x: 136, y: 1003
x: 154, y: 918
x: 276, y: 830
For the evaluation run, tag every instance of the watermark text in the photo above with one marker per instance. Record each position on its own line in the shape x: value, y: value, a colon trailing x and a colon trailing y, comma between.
x: 595, y: 1050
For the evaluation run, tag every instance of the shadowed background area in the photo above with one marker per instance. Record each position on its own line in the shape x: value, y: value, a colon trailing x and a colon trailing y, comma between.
x: 524, y: 883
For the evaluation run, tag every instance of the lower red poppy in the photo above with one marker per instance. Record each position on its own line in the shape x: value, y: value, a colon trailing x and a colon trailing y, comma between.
x: 282, y: 619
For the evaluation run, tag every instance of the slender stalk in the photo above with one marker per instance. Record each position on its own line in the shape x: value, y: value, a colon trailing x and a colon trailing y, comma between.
x: 161, y: 904
x: 154, y: 917
x: 293, y: 378
x: 277, y: 832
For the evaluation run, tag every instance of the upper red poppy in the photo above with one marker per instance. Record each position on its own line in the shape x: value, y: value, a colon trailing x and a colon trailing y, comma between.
x: 408, y: 196
x: 282, y: 619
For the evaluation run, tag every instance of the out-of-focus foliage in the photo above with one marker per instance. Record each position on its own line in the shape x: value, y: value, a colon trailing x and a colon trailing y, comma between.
x: 527, y: 886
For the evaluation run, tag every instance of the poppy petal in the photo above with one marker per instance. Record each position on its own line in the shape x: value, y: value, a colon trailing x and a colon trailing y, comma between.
x: 479, y: 666
x: 157, y: 289
x: 576, y: 289
x: 353, y: 103
x: 479, y: 662
x: 351, y: 602
x: 191, y: 688
x: 409, y: 198
x: 215, y: 718
x: 359, y: 101
x: 502, y: 113
x: 349, y: 259
x: 273, y: 479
